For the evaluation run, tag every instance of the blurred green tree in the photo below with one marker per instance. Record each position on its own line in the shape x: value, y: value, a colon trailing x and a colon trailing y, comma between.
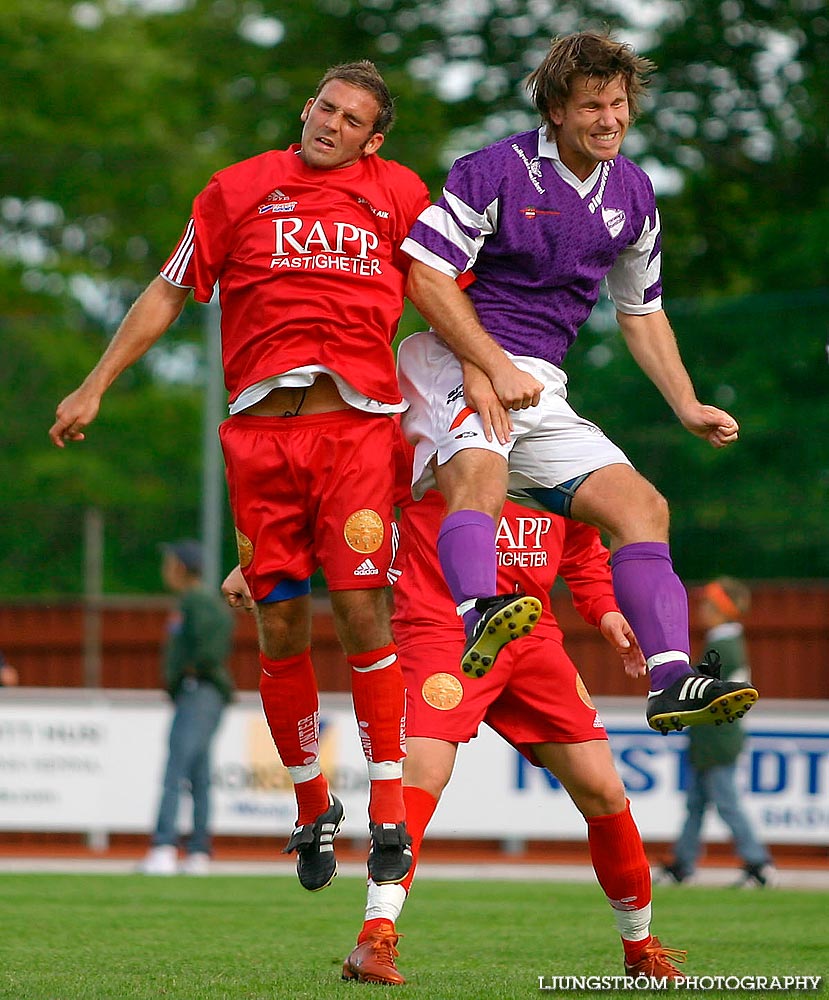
x: 117, y: 114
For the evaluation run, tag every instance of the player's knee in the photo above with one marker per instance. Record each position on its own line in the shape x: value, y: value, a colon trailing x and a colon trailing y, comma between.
x: 659, y: 512
x: 602, y: 799
x: 648, y: 515
x: 432, y: 778
x: 362, y: 619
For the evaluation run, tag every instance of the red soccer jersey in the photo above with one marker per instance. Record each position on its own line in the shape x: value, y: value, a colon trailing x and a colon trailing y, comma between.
x: 533, y: 549
x: 308, y: 264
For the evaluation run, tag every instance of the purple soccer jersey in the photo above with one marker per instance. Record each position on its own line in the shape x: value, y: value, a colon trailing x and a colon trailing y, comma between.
x: 539, y: 242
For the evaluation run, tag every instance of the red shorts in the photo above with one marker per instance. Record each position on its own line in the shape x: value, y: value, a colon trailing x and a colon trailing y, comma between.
x: 312, y: 492
x: 533, y: 694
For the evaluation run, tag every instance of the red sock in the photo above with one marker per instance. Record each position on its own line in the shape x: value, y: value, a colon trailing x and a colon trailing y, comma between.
x: 288, y: 689
x: 634, y: 949
x: 385, y: 800
x: 622, y: 869
x: 369, y: 926
x: 380, y: 707
x: 311, y: 799
x: 420, y: 807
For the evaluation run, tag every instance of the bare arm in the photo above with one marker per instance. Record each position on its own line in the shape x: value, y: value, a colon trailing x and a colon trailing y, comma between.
x: 652, y: 343
x: 153, y: 312
x: 451, y: 313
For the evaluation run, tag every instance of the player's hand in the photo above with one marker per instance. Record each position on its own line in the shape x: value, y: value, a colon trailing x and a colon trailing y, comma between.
x: 710, y: 423
x: 73, y: 414
x: 236, y: 591
x: 515, y: 388
x: 481, y: 397
x: 616, y: 630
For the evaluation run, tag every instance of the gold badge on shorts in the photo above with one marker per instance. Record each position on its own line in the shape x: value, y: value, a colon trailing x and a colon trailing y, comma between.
x: 582, y: 692
x: 442, y: 691
x: 364, y: 531
x: 244, y: 547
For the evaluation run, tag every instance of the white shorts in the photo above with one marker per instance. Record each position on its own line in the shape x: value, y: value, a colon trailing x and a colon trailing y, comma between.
x: 550, y: 443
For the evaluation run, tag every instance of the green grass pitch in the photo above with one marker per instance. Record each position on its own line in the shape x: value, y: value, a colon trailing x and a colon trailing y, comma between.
x: 128, y: 937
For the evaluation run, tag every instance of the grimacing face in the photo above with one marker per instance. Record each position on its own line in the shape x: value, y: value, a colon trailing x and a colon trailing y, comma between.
x: 338, y: 126
x: 592, y: 123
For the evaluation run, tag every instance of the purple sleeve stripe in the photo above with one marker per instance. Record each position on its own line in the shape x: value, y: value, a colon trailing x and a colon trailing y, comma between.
x: 653, y: 296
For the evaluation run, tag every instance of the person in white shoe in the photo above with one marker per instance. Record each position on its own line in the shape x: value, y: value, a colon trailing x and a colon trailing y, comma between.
x: 197, y: 678
x: 714, y: 752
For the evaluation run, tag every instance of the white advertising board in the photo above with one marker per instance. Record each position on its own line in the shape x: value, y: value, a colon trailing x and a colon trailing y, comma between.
x: 71, y: 761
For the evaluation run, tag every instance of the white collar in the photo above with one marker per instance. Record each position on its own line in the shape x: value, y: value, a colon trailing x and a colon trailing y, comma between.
x: 548, y: 148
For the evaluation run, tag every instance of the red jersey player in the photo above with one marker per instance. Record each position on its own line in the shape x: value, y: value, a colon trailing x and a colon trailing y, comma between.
x: 304, y: 245
x: 533, y: 697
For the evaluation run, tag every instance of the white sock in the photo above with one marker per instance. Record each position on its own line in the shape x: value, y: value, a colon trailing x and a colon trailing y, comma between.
x: 634, y: 925
x: 385, y: 901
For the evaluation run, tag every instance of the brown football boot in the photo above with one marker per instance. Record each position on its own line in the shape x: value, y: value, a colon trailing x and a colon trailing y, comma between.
x: 372, y: 961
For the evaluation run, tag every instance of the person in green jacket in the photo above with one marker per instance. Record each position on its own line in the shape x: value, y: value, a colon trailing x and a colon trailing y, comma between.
x: 197, y: 679
x: 713, y: 752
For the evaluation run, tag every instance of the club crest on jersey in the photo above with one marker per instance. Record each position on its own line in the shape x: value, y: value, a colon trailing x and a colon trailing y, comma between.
x: 364, y: 531
x: 614, y: 219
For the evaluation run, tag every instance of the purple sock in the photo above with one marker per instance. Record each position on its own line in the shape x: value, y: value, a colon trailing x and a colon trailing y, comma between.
x: 466, y: 549
x: 652, y: 598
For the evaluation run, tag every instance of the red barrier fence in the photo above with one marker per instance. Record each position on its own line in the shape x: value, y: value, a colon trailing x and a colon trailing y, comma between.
x: 64, y: 644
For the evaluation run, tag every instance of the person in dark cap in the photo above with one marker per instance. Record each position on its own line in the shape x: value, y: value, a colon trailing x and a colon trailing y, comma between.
x: 196, y: 677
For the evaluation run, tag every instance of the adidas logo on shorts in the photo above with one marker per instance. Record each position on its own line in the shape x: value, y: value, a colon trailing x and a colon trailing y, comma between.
x: 366, y: 568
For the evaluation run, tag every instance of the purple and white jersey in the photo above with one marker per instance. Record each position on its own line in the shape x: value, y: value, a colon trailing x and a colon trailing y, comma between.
x: 538, y: 241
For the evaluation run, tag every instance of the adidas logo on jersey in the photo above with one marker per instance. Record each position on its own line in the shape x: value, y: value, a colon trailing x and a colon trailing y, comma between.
x: 366, y: 568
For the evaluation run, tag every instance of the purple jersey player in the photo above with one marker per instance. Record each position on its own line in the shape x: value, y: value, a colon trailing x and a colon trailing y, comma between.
x: 507, y: 265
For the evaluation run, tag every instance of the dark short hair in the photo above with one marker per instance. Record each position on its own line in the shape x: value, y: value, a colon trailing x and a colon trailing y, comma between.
x: 595, y: 56
x: 189, y: 553
x: 364, y: 74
